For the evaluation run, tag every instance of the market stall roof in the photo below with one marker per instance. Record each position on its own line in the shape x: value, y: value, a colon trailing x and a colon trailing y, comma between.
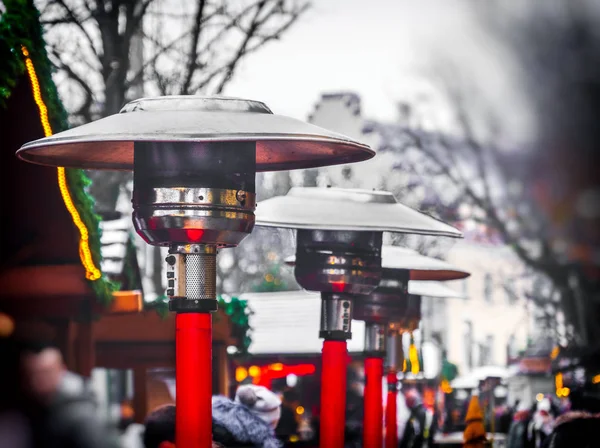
x: 288, y: 322
x: 471, y: 380
x: 51, y: 231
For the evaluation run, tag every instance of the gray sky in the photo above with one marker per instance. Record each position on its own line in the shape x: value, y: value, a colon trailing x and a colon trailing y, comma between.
x: 381, y: 49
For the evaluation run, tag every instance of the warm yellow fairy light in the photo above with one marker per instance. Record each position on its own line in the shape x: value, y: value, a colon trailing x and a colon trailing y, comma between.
x: 596, y: 379
x: 445, y: 386
x: 92, y: 272
x: 300, y: 410
x: 413, y: 355
x: 241, y: 374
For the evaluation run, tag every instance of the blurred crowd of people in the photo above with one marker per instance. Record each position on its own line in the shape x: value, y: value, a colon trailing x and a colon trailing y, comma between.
x: 550, y: 424
x: 42, y: 404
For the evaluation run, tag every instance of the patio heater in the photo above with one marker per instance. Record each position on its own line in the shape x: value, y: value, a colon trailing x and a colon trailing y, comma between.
x: 339, y: 238
x: 403, y: 317
x: 194, y: 161
x: 391, y: 305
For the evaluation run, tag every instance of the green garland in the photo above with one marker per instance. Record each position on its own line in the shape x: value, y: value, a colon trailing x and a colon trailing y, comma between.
x: 272, y: 280
x: 237, y: 310
x: 20, y: 26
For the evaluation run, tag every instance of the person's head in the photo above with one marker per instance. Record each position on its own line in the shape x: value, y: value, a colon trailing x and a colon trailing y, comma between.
x: 43, y: 371
x: 261, y: 401
x: 234, y: 424
x: 159, y: 429
x: 291, y: 398
x: 412, y: 398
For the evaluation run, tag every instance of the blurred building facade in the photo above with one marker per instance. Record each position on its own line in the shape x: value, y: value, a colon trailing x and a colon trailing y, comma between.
x: 494, y: 321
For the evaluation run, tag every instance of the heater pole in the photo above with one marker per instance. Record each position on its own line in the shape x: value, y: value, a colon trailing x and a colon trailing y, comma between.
x: 373, y: 409
x: 191, y: 280
x: 391, y: 411
x: 193, y: 375
x: 333, y: 393
x: 394, y: 361
x: 336, y: 317
x: 375, y: 345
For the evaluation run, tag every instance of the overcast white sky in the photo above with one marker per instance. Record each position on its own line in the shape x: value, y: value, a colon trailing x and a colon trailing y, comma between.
x: 380, y: 49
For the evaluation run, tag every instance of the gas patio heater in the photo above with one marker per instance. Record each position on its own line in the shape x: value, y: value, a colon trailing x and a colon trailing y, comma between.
x: 194, y: 161
x: 391, y: 304
x: 339, y: 238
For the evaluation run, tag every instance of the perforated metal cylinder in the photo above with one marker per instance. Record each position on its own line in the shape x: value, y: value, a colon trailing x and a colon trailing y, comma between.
x: 192, y: 278
x: 201, y: 276
x: 394, y: 354
x: 375, y: 343
x: 336, y: 316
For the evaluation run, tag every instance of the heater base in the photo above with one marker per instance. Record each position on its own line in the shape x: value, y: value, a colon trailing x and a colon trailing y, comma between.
x: 335, y: 335
x: 182, y: 305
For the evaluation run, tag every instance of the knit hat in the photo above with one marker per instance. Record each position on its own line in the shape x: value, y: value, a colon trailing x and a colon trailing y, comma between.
x: 261, y: 401
x: 474, y: 434
x: 235, y: 425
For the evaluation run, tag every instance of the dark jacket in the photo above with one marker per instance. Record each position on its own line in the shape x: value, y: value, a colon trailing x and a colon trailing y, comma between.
x: 414, y: 432
x: 70, y: 420
x: 575, y: 429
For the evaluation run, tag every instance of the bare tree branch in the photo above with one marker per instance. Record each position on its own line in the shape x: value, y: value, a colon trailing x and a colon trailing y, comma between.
x: 193, y: 51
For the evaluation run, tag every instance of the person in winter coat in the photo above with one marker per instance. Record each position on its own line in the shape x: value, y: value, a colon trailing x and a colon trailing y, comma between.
x: 416, y: 430
x: 517, y: 432
x: 474, y: 435
x: 575, y: 429
x: 288, y: 426
x: 61, y: 407
x: 541, y: 425
x: 235, y: 425
x: 159, y: 428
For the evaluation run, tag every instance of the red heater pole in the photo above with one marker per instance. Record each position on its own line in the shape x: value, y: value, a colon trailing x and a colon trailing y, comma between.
x: 333, y: 394
x: 391, y: 424
x: 193, y: 374
x: 373, y: 412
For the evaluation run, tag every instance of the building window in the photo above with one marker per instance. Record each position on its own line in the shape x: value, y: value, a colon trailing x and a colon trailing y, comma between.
x: 489, y: 342
x: 487, y: 288
x: 511, y: 348
x: 468, y: 343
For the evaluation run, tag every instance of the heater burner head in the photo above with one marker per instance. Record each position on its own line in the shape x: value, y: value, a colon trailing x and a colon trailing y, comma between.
x: 281, y: 143
x: 337, y: 261
x: 340, y: 233
x: 422, y: 268
x: 194, y: 193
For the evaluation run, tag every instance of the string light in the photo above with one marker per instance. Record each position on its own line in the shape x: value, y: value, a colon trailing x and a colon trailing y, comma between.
x: 445, y: 386
x: 85, y: 254
x: 596, y: 379
x: 240, y: 374
x: 413, y: 356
